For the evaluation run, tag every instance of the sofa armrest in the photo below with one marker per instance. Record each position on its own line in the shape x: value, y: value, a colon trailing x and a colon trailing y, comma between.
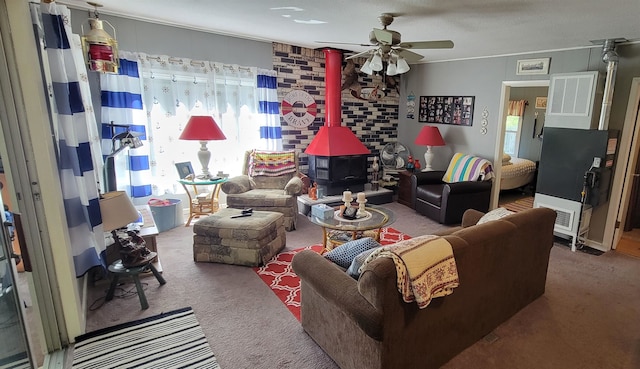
x: 238, y: 184
x: 339, y: 289
x: 471, y: 217
x: 294, y: 186
x: 467, y: 187
x: 424, y: 178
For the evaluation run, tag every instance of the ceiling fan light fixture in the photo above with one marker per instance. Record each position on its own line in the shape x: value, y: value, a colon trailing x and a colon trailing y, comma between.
x: 366, y: 67
x: 376, y: 63
x: 402, y: 66
x: 391, y: 68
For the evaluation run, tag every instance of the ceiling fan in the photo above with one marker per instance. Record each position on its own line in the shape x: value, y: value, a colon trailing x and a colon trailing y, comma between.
x: 390, y: 49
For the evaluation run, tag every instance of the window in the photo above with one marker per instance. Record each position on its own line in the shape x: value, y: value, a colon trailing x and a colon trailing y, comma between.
x: 512, y: 135
x: 174, y: 89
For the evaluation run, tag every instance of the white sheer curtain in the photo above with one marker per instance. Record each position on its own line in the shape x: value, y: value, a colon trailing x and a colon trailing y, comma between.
x: 174, y: 89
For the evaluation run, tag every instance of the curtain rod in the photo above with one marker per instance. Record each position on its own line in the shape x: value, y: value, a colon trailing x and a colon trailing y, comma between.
x: 194, y: 63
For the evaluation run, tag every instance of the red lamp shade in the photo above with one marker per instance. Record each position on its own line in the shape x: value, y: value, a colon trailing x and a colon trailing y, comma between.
x: 429, y: 136
x: 202, y: 128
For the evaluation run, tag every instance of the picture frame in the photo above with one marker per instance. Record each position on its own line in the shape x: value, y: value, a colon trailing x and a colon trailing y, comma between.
x: 184, y: 169
x: 541, y: 102
x: 456, y: 110
x: 532, y: 66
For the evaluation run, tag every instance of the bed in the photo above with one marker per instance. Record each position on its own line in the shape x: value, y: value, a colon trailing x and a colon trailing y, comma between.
x: 516, y: 172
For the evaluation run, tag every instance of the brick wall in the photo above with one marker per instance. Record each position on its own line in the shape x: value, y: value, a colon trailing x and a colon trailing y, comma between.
x: 374, y: 121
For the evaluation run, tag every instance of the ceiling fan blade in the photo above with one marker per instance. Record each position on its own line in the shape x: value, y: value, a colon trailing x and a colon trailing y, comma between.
x: 383, y: 36
x: 364, y: 53
x: 442, y: 44
x: 409, y: 55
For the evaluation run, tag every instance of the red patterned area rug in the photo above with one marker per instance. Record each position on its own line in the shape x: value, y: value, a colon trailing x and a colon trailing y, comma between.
x: 284, y: 282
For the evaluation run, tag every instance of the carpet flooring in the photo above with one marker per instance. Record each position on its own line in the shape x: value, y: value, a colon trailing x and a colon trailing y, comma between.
x: 166, y: 341
x: 589, y: 316
x: 284, y: 282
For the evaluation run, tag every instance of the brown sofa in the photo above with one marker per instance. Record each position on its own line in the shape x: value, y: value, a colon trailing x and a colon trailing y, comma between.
x: 502, y: 266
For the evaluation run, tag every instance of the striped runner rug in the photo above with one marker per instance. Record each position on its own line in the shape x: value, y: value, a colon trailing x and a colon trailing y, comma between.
x: 166, y: 341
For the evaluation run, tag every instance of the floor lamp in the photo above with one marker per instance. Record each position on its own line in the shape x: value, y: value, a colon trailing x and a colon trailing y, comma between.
x: 429, y: 136
x: 204, y: 129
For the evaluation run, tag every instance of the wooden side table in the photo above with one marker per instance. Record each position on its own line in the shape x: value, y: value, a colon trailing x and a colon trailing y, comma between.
x: 404, y: 188
x: 134, y: 271
x: 202, y: 205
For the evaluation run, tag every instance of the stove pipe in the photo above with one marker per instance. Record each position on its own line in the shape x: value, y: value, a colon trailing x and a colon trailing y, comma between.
x: 609, y: 56
x: 333, y: 139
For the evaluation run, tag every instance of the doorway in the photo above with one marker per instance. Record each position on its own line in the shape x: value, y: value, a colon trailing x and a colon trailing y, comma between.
x: 530, y: 139
x: 625, y: 197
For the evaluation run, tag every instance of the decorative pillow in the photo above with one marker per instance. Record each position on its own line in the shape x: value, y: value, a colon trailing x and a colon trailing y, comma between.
x: 357, y: 263
x: 495, y: 214
x: 344, y: 254
x: 506, y: 158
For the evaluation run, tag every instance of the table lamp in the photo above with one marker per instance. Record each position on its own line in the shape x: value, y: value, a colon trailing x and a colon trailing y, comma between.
x: 202, y: 128
x: 117, y: 212
x: 429, y: 136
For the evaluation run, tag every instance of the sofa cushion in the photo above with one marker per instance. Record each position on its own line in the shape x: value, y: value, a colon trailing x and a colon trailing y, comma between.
x: 357, y: 263
x: 344, y: 254
x: 261, y: 198
x: 495, y: 214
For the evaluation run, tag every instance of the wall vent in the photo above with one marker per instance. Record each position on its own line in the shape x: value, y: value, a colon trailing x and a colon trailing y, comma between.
x: 563, y: 218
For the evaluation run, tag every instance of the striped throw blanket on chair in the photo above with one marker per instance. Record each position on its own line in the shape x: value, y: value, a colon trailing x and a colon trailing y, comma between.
x: 425, y: 268
x: 271, y: 163
x: 468, y: 168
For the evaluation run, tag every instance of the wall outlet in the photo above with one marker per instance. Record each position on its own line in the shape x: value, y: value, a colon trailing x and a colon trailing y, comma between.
x: 596, y: 162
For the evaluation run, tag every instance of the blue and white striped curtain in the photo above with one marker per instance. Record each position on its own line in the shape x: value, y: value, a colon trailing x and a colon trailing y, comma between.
x: 121, y: 98
x: 76, y: 134
x: 268, y: 110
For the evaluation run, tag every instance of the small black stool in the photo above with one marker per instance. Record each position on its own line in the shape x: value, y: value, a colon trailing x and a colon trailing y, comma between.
x: 134, y: 271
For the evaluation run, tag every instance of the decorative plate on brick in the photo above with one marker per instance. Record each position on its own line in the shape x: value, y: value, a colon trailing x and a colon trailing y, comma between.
x: 299, y: 108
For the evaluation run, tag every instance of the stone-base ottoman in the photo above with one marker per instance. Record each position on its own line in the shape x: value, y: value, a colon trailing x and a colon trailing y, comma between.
x: 250, y: 241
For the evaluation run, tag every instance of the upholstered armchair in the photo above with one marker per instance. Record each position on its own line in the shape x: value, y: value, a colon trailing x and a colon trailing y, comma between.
x: 445, y: 196
x: 269, y: 182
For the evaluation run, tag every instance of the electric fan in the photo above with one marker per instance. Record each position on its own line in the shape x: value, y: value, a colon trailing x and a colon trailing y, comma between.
x: 394, y: 155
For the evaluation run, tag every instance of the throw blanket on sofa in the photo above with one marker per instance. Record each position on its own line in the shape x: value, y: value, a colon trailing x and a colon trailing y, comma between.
x: 271, y: 163
x: 468, y: 168
x: 424, y: 265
